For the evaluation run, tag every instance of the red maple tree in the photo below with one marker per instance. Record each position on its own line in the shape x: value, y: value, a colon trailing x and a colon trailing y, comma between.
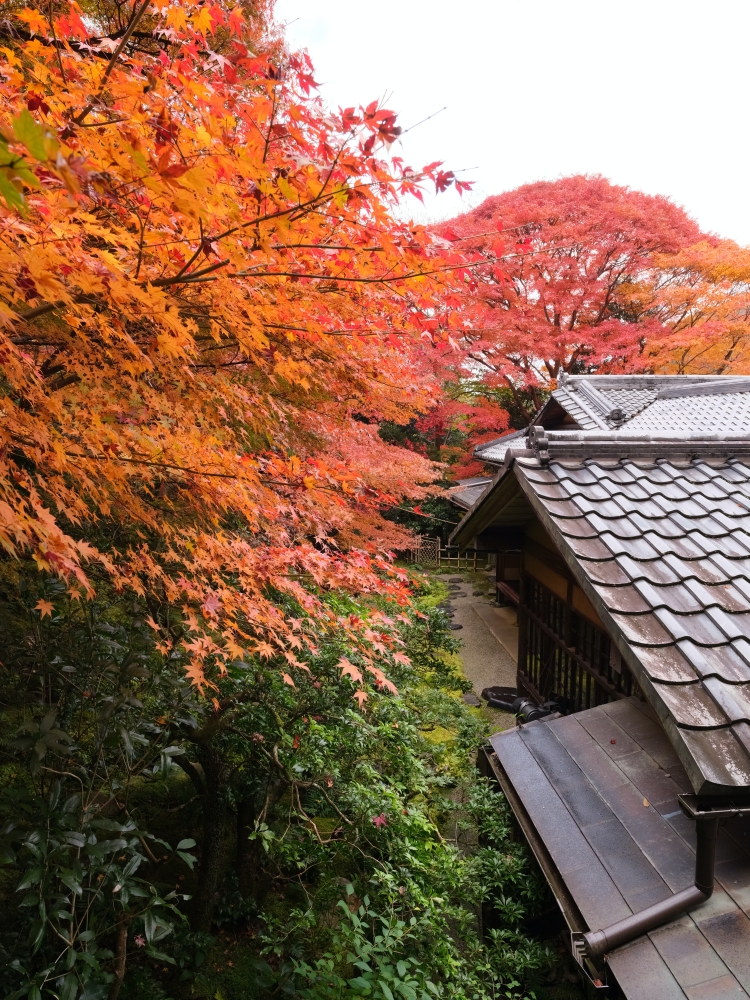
x: 556, y: 281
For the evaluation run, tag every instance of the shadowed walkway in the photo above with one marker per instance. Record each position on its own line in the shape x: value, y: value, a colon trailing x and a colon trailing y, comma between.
x: 489, y: 637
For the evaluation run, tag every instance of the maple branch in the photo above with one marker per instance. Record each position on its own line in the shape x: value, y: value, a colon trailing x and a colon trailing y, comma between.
x: 178, y: 278
x: 195, y: 255
x: 384, y: 280
x: 137, y: 15
x: 142, y: 226
x: 39, y: 310
x: 51, y: 306
x: 110, y: 121
x: 57, y: 47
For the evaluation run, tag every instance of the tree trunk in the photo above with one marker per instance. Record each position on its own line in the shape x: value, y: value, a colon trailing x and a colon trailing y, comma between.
x: 210, y: 785
x: 247, y: 850
x: 121, y: 954
x: 253, y: 883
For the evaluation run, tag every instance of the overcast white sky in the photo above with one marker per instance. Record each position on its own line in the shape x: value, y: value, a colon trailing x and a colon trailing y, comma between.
x: 654, y: 94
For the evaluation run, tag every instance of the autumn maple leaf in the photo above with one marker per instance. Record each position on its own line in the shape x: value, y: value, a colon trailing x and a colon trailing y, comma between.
x: 232, y: 500
x: 349, y: 670
x: 46, y: 607
x: 380, y: 821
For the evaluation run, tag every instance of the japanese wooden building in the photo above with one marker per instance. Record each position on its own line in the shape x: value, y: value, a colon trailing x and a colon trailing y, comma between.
x: 621, y: 527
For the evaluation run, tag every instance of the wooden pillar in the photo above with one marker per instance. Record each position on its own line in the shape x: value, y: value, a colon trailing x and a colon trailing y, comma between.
x: 522, y: 626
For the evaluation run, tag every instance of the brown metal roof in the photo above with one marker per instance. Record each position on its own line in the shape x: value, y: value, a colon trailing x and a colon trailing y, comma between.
x: 600, y: 790
x: 656, y: 530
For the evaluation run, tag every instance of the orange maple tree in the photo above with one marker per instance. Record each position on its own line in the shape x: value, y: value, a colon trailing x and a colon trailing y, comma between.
x: 702, y: 296
x: 205, y: 307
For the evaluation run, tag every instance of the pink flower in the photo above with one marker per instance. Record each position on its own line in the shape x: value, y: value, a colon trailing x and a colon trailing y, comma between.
x: 380, y: 820
x: 140, y: 940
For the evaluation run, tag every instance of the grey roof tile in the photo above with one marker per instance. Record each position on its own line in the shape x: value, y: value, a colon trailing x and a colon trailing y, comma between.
x: 725, y: 662
x: 663, y: 526
x: 733, y: 699
x: 740, y: 585
x: 655, y: 570
x: 735, y: 473
x: 621, y: 475
x: 539, y: 475
x: 563, y: 508
x: 496, y: 451
x: 580, y: 474
x: 675, y: 597
x: 667, y: 664
x: 553, y: 491
x: 607, y: 572
x: 699, y: 627
x: 693, y: 545
x: 719, y: 754
x: 736, y: 545
x: 710, y: 570
x: 703, y: 524
x: 729, y: 568
x: 725, y: 596
x: 692, y: 706
x: 578, y: 527
x: 638, y: 548
x: 647, y: 507
x: 736, y: 626
x: 589, y: 548
x: 624, y: 599
x: 621, y: 527
x: 634, y: 491
x: 643, y: 630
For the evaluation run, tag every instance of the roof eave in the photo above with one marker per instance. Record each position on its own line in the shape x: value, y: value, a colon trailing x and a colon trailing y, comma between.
x: 480, y: 514
x: 701, y: 784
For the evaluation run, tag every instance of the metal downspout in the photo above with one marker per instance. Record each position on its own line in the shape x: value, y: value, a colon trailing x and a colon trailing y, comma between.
x: 599, y: 942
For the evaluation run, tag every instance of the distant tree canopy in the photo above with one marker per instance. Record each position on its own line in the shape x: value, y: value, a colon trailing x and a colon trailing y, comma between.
x: 583, y: 276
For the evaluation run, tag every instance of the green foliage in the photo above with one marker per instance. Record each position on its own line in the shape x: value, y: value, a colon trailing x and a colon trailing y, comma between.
x: 339, y: 839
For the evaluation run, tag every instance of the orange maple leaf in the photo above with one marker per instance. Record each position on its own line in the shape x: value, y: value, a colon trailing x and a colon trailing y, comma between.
x: 349, y: 670
x: 203, y: 21
x: 37, y: 22
x: 46, y: 607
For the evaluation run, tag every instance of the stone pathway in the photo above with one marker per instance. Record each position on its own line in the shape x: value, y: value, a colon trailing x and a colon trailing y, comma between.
x: 489, y: 639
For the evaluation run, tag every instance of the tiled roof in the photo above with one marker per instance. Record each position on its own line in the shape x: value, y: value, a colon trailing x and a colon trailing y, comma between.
x: 468, y: 491
x: 640, y: 405
x: 663, y: 553
x: 495, y: 451
x: 657, y: 403
x: 652, y: 515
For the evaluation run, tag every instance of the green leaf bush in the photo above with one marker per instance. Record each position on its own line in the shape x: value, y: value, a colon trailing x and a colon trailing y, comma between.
x: 330, y: 849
